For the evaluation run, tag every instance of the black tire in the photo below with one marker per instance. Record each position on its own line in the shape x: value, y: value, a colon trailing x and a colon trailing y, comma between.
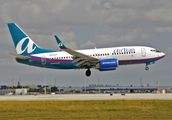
x: 146, y: 68
x: 88, y: 73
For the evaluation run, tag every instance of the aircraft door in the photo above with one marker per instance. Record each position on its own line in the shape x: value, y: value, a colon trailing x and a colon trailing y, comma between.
x: 43, y: 60
x: 143, y: 52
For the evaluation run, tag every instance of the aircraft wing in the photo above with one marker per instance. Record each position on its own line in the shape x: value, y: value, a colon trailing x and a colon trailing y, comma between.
x: 80, y: 58
x: 19, y: 56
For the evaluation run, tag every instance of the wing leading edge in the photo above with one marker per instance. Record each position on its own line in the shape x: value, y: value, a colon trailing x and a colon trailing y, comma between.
x: 79, y: 58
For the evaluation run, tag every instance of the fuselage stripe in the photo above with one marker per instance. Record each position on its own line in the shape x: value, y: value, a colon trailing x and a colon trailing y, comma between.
x: 141, y: 60
x: 120, y: 61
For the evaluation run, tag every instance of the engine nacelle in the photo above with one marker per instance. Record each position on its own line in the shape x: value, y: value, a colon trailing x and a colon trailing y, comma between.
x: 107, y: 64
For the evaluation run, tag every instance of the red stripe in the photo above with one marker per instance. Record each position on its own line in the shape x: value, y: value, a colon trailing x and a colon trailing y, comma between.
x: 123, y: 61
x: 120, y: 61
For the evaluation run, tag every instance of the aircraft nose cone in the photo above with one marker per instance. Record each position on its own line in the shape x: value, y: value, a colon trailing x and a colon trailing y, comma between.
x: 163, y: 54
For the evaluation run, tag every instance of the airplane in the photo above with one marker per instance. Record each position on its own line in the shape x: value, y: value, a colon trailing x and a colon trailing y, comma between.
x: 102, y: 59
x: 10, y: 93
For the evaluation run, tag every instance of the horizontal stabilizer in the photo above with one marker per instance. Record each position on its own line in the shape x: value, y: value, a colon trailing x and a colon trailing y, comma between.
x: 19, y: 56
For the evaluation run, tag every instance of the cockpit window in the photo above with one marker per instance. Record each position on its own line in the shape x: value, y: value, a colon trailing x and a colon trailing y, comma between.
x: 153, y: 50
x: 158, y: 51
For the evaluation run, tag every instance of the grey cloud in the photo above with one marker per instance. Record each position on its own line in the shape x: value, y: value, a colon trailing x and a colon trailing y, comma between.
x: 88, y: 45
x: 163, y: 29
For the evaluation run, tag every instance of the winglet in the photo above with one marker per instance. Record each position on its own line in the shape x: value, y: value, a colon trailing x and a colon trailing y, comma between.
x: 61, y: 45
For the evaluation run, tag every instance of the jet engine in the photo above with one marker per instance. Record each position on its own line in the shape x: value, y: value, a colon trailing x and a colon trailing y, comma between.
x: 107, y: 64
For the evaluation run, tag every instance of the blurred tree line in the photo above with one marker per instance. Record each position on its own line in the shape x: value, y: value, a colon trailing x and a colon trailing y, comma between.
x: 52, y: 89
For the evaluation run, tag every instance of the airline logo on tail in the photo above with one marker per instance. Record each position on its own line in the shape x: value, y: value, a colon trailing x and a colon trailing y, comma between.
x: 25, y: 43
x: 60, y: 44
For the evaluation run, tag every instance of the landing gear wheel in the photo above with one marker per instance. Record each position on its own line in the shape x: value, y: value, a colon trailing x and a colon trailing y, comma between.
x: 146, y: 68
x: 88, y: 73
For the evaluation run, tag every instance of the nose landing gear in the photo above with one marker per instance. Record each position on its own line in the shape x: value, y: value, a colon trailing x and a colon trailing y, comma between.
x: 146, y: 68
x: 88, y: 72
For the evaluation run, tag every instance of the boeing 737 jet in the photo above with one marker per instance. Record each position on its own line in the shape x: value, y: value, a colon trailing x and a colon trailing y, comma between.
x: 103, y: 59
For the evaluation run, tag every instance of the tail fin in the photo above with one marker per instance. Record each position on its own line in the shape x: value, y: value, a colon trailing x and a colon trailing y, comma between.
x: 23, y: 44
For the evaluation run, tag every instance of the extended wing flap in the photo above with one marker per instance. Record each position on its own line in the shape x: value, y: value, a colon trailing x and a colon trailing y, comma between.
x: 19, y: 56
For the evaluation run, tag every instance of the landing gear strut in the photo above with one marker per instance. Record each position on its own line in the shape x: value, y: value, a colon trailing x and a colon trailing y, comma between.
x: 88, y: 72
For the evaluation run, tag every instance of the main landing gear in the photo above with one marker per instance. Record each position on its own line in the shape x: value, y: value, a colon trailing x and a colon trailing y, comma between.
x: 88, y: 72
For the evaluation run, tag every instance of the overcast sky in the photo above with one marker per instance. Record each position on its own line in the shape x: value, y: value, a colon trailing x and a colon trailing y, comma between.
x: 83, y: 24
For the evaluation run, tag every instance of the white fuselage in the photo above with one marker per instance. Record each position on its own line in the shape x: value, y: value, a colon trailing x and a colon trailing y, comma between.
x: 141, y: 52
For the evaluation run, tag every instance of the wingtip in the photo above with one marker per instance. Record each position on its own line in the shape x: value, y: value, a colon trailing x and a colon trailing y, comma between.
x: 11, y: 23
x: 56, y: 37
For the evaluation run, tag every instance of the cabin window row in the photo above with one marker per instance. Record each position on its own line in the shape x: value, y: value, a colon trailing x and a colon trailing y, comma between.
x: 60, y: 58
x: 100, y: 54
x: 123, y: 53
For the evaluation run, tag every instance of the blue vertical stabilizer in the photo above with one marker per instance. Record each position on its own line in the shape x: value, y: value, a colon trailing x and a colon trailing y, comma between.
x: 23, y: 44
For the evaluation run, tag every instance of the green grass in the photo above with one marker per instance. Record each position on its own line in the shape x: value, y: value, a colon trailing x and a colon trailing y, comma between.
x: 92, y: 110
